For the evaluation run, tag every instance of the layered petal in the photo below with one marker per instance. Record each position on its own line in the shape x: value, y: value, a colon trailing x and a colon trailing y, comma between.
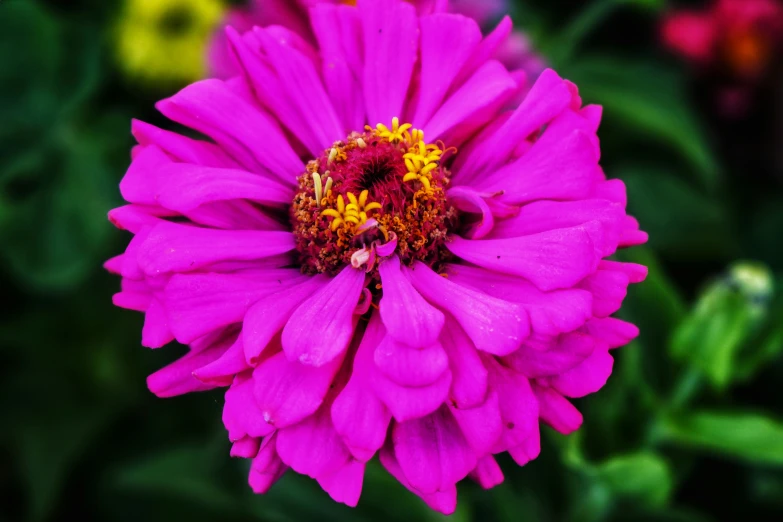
x: 550, y: 260
x: 408, y: 318
x: 493, y: 325
x: 432, y: 452
x: 323, y: 325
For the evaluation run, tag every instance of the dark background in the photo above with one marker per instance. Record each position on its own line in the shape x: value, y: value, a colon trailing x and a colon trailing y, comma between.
x: 689, y: 428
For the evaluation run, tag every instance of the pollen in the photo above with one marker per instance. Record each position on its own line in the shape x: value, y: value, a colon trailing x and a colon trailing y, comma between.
x: 377, y: 193
x: 397, y: 133
x: 354, y: 213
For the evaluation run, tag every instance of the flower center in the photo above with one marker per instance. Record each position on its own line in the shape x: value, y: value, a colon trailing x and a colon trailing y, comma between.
x: 378, y: 192
x: 176, y: 21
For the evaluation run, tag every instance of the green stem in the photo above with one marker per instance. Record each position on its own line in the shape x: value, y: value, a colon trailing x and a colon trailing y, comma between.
x: 579, y: 28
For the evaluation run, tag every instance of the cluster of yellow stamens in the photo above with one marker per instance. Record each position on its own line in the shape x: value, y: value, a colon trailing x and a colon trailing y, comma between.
x: 396, y: 134
x: 421, y: 160
x: 377, y: 192
x: 354, y: 212
x: 322, y: 187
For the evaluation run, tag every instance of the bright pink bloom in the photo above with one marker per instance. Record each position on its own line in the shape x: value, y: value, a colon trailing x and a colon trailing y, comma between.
x: 515, y: 53
x: 373, y: 290
x: 740, y: 36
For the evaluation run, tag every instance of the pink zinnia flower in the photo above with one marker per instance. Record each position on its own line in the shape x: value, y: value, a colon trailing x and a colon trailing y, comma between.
x: 741, y: 34
x: 428, y: 292
x: 516, y: 52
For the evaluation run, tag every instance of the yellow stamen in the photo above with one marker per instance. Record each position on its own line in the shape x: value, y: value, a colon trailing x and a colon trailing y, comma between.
x: 328, y: 187
x: 396, y: 134
x: 355, y: 212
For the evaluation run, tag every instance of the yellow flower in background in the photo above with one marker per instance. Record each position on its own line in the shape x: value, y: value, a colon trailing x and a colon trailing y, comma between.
x: 164, y: 41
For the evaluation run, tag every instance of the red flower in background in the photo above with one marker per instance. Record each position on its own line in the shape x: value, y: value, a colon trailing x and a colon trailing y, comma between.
x: 738, y: 39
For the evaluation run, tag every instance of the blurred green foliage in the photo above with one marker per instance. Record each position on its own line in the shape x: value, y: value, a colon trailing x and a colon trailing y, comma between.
x: 689, y: 428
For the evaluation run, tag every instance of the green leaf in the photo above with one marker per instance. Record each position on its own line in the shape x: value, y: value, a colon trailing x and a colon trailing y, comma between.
x: 642, y: 477
x: 682, y: 223
x: 561, y: 46
x: 725, y: 316
x: 745, y: 436
x: 768, y: 349
x: 188, y: 472
x: 62, y: 193
x: 648, y: 99
x: 656, y: 305
x: 48, y: 445
x: 29, y: 55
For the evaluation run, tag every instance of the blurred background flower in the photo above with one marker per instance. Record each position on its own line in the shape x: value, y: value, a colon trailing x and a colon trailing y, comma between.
x: 165, y: 41
x: 736, y: 40
x: 516, y: 53
x: 689, y: 428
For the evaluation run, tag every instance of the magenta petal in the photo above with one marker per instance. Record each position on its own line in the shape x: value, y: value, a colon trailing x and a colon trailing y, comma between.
x: 487, y: 473
x: 345, y: 484
x: 182, y: 148
x: 563, y: 169
x: 171, y: 247
x: 518, y: 405
x: 177, y: 378
x: 144, y: 177
x: 321, y: 328
x: 551, y: 313
x: 609, y: 288
x: 442, y: 35
x: 636, y: 273
x: 557, y: 411
x: 614, y: 332
x: 184, y: 187
x: 246, y: 447
x: 270, y: 313
x: 528, y: 450
x: 470, y: 201
x: 444, y: 501
x: 391, y: 40
x: 312, y: 447
x: 359, y: 417
x: 494, y: 326
x: 241, y: 415
x: 408, y: 318
x: 482, y: 425
x: 156, y: 331
x: 547, y: 98
x: 267, y: 468
x: 135, y: 217
x: 287, y: 392
x: 588, y: 377
x: 298, y: 80
x: 136, y: 301
x: 432, y: 451
x: 566, y: 353
x: 414, y: 367
x: 550, y: 260
x: 338, y: 31
x: 469, y: 381
x: 542, y: 216
x: 488, y: 86
x: 406, y: 403
x: 201, y: 303
x: 222, y: 371
x: 211, y: 108
x: 485, y: 50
